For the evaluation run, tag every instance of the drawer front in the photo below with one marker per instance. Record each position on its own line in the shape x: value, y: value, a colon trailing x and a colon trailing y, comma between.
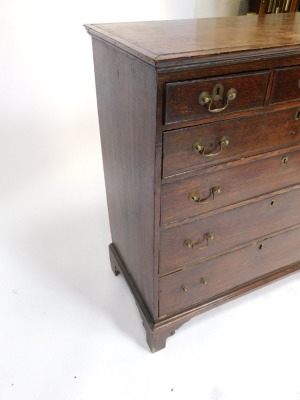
x: 186, y: 288
x: 245, y: 137
x: 204, y: 98
x: 212, y: 190
x: 221, y: 232
x: 286, y: 85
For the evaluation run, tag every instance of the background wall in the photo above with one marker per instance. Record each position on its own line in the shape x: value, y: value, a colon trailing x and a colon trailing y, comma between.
x: 68, y: 328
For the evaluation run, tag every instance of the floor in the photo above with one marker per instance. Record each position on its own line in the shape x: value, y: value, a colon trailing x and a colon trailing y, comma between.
x: 70, y: 329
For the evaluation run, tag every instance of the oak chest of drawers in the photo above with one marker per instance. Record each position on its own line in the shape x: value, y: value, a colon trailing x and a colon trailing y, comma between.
x: 200, y: 133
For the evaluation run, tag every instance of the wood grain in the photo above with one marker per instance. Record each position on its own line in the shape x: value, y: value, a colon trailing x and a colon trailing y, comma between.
x: 238, y: 182
x: 247, y: 136
x: 126, y: 93
x: 233, y: 269
x: 286, y: 85
x: 181, y: 42
x: 231, y: 228
x: 150, y: 73
x: 182, y: 98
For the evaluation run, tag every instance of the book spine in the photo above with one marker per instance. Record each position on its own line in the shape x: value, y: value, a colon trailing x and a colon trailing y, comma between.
x: 270, y: 6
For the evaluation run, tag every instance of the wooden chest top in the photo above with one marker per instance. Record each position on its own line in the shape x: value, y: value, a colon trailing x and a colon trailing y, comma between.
x: 164, y: 43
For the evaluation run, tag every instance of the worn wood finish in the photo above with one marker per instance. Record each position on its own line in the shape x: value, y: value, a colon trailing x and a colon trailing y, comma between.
x: 262, y: 133
x: 181, y: 42
x: 127, y: 128
x: 240, y: 181
x: 151, y: 73
x: 157, y: 332
x: 230, y: 229
x: 182, y: 99
x: 286, y: 85
x: 186, y: 288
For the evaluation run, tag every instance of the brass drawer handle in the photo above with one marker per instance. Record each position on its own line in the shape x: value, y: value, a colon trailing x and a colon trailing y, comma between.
x: 213, y: 192
x: 206, y: 98
x: 223, y: 142
x: 185, y: 289
x: 199, y: 245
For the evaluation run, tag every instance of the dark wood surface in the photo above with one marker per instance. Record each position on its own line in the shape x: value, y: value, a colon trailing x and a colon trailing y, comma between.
x: 231, y: 228
x: 157, y: 332
x: 184, y: 289
x: 262, y: 133
x: 240, y: 181
x: 286, y: 85
x: 126, y: 91
x: 182, y: 99
x: 146, y: 71
x: 167, y: 41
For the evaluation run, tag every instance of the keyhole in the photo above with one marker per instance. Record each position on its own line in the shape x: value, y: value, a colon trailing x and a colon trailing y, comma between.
x: 218, y: 93
x: 260, y: 246
x: 297, y: 116
x: 272, y: 203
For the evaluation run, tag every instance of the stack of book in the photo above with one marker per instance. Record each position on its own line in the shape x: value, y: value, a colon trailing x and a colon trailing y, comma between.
x: 273, y: 6
x: 278, y: 6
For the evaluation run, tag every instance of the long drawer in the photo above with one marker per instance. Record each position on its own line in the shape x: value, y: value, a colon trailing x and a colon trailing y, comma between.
x: 198, y: 147
x: 208, y: 237
x: 218, y: 187
x: 183, y: 289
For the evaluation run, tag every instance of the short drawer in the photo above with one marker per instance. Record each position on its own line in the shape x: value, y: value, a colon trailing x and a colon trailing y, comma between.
x: 204, y: 98
x: 286, y: 85
x: 198, y: 147
x: 218, y: 187
x: 221, y: 232
x: 186, y: 288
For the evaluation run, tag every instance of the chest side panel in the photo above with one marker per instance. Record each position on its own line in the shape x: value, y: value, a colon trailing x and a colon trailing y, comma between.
x: 126, y: 94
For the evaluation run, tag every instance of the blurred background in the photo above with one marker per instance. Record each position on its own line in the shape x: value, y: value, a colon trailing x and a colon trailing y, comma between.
x: 69, y: 329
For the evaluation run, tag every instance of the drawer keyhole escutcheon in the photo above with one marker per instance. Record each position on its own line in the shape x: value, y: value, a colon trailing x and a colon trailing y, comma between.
x: 202, y: 244
x: 203, y: 281
x: 217, y: 94
x: 223, y: 142
x: 297, y: 116
x: 284, y: 160
x: 184, y: 288
x: 213, y: 192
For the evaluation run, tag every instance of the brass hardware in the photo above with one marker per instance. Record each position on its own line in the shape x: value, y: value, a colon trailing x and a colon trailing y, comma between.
x: 223, y: 142
x: 199, y: 245
x: 218, y: 91
x: 206, y: 98
x: 184, y: 288
x: 297, y: 116
x: 284, y: 160
x: 272, y: 203
x: 203, y: 281
x: 213, y: 191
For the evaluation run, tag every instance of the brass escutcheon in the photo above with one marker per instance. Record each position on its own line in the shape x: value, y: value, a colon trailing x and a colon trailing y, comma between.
x: 284, y: 160
x: 206, y: 98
